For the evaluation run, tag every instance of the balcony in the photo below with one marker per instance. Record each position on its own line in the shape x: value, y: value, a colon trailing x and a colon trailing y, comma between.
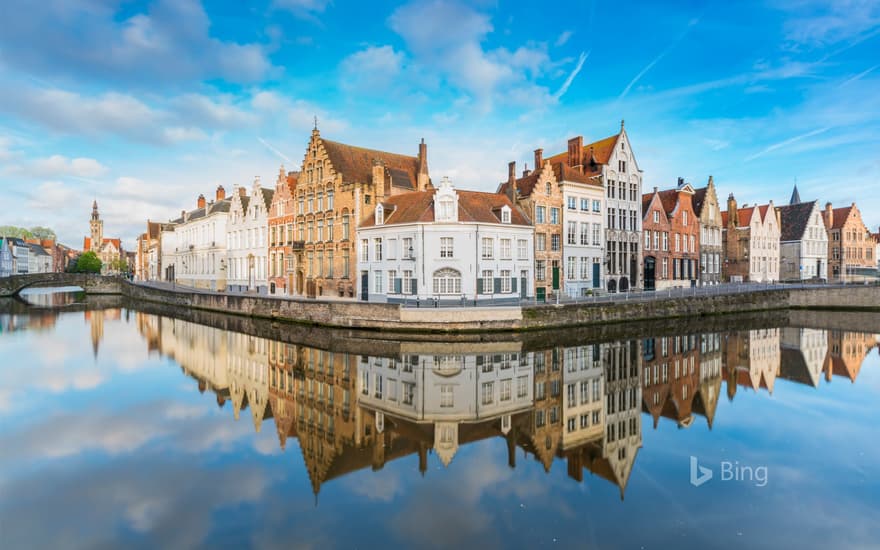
x: 298, y: 245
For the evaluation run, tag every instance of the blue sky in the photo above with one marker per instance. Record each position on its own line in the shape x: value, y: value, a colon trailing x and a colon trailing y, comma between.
x: 144, y: 105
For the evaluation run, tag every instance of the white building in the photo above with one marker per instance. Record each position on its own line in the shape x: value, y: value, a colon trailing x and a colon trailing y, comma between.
x: 444, y: 388
x: 446, y: 245
x: 196, y: 250
x: 803, y: 248
x: 5, y: 257
x: 39, y: 261
x: 803, y: 353
x: 583, y: 249
x: 751, y: 242
x: 247, y: 247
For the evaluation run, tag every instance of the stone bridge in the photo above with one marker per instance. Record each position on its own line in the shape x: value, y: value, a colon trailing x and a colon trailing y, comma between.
x: 91, y: 284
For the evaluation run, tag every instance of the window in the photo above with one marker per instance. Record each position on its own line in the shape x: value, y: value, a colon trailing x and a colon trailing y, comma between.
x: 656, y: 217
x: 377, y: 249
x: 585, y: 269
x: 486, y: 281
x: 345, y: 227
x: 330, y: 229
x: 597, y: 206
x: 621, y: 166
x: 346, y: 263
x: 391, y: 253
x: 377, y: 282
x: 409, y: 391
x: 329, y: 200
x: 571, y: 397
x: 611, y: 218
x: 445, y: 247
x: 597, y: 234
x: 666, y: 241
x: 447, y: 281
x: 522, y: 387
x: 656, y: 240
x: 407, y: 282
x: 585, y: 233
x: 300, y: 206
x: 571, y: 234
x: 408, y: 248
x: 570, y: 268
x: 505, y: 387
x: 647, y: 240
x: 487, y: 393
x: 392, y: 276
x: 572, y: 203
x: 446, y: 396
x: 540, y: 241
x: 330, y: 264
x: 320, y: 231
x: 505, y: 215
x: 447, y: 209
x: 505, y: 281
x: 540, y: 212
x: 684, y: 218
x: 585, y: 205
x: 365, y: 250
x: 487, y: 248
x: 505, y: 249
x: 554, y: 215
x: 522, y: 249
x: 554, y: 242
x: 540, y: 270
x: 548, y: 188
x: 611, y: 189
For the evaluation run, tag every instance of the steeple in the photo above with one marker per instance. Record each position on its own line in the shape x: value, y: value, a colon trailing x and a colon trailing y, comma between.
x: 95, y: 216
x: 795, y: 196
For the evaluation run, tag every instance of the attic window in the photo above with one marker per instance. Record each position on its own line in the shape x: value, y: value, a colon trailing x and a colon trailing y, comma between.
x: 447, y: 209
x: 380, y: 215
x: 548, y: 188
x: 505, y: 214
x: 366, y: 199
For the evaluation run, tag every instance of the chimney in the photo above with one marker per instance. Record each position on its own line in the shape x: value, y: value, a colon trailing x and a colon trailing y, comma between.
x: 526, y: 170
x: 711, y: 181
x: 200, y: 202
x: 680, y: 182
x: 422, y: 176
x: 511, y: 180
x: 539, y: 159
x: 655, y: 189
x: 242, y: 192
x: 829, y: 215
x: 221, y: 193
x: 575, y: 151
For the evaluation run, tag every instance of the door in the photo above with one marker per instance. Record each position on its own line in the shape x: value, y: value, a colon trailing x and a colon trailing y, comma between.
x: 541, y: 294
x: 523, y: 284
x: 596, y: 282
x: 365, y: 285
x: 555, y: 277
x: 650, y: 271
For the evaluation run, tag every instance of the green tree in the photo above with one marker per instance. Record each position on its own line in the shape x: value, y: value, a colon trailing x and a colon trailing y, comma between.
x: 17, y: 232
x: 40, y: 232
x: 88, y: 262
x: 119, y: 265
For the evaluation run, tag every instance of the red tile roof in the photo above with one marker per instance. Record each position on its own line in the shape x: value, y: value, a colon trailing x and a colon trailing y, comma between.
x: 840, y: 217
x: 473, y: 206
x: 565, y: 173
x: 356, y: 163
x: 601, y: 150
x: 87, y: 243
x: 744, y: 216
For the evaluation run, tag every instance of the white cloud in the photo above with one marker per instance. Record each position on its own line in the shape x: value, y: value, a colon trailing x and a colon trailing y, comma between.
x: 306, y: 9
x: 818, y: 23
x: 563, y: 38
x: 60, y: 166
x: 373, y: 68
x: 170, y: 41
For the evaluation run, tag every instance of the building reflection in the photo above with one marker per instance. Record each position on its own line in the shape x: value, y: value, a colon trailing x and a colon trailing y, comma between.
x: 581, y: 405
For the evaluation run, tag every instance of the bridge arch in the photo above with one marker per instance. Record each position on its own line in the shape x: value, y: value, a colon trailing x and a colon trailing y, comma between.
x: 91, y: 284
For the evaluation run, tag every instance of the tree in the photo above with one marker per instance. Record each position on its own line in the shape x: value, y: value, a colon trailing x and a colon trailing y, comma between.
x: 88, y: 262
x: 40, y: 232
x: 17, y: 232
x: 119, y: 265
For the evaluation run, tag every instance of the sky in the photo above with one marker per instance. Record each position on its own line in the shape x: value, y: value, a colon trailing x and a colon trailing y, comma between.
x: 145, y: 105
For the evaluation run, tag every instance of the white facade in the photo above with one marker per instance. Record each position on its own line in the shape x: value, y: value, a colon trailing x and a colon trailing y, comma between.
x: 247, y: 246
x: 623, y: 222
x: 5, y: 257
x: 764, y: 246
x: 39, y: 261
x: 583, y: 248
x: 807, y: 257
x: 198, y: 258
x: 812, y: 344
x: 433, y: 384
x: 445, y: 260
x: 583, y: 398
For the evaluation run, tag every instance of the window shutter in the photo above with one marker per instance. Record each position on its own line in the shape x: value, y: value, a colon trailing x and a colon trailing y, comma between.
x: 480, y: 285
x: 497, y: 282
x: 398, y: 285
x: 415, y: 286
x: 513, y: 284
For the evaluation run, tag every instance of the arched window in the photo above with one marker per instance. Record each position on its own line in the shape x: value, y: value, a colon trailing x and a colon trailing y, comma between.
x: 447, y: 281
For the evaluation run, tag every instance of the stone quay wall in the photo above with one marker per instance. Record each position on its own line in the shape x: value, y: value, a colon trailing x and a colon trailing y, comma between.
x: 391, y: 317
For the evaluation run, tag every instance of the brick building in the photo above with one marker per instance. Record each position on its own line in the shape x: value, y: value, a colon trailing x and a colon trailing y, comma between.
x: 750, y: 242
x: 339, y: 186
x: 671, y: 238
x: 708, y: 211
x: 282, y: 239
x: 850, y: 246
x: 540, y: 196
x: 107, y: 250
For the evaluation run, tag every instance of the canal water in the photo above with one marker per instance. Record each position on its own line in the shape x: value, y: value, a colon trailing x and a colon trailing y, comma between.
x: 125, y: 427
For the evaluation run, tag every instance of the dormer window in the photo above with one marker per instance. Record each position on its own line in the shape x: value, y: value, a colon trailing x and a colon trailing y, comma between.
x: 447, y: 210
x: 380, y: 215
x: 505, y: 214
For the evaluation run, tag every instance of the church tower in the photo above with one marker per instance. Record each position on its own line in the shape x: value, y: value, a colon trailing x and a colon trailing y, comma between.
x: 97, y: 228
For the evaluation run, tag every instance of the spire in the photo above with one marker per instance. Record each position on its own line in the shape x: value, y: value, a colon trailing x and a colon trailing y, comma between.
x: 795, y: 196
x: 95, y: 215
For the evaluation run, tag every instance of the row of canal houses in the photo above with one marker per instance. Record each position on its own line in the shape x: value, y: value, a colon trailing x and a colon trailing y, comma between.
x: 363, y: 224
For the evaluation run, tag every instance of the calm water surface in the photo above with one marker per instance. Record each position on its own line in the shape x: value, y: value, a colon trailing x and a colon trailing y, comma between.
x: 121, y: 428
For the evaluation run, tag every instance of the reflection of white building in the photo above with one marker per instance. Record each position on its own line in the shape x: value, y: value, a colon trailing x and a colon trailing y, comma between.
x: 446, y: 244
x: 803, y: 353
x: 711, y: 366
x: 201, y: 351
x: 446, y: 387
x: 248, y: 368
x: 583, y: 397
x: 623, y: 399
x: 247, y: 248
